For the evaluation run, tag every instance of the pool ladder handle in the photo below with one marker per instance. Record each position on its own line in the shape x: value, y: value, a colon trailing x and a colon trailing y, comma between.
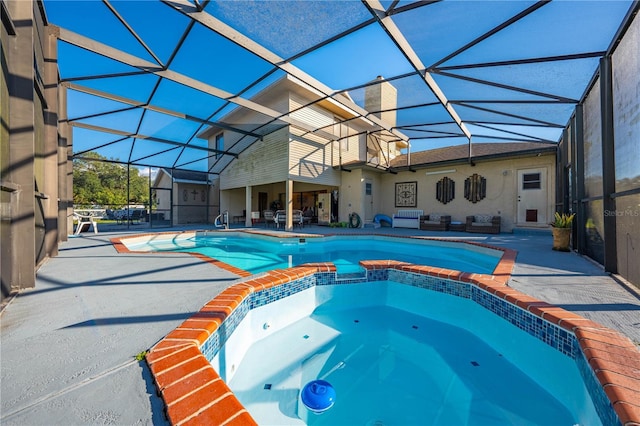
x: 222, y: 220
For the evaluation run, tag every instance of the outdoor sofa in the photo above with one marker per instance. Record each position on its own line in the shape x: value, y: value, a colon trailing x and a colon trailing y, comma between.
x: 435, y: 222
x: 483, y: 223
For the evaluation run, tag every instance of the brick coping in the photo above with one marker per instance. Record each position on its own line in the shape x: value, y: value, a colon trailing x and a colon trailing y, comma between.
x: 195, y: 394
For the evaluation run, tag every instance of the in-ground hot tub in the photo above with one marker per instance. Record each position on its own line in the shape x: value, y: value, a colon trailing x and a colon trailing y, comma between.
x: 397, y: 353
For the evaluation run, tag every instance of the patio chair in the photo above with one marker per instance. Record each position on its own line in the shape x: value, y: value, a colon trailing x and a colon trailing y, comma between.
x: 135, y: 216
x: 83, y: 220
x: 298, y: 218
x: 281, y: 218
x: 269, y: 218
x: 131, y: 217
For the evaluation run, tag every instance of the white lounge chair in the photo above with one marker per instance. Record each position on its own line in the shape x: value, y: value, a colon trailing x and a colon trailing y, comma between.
x: 90, y: 221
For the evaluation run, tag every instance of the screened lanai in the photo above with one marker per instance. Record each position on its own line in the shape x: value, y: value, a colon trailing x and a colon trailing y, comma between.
x: 139, y: 82
x: 144, y: 78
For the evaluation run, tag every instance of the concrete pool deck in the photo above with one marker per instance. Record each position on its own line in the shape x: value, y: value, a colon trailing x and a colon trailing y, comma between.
x: 68, y: 346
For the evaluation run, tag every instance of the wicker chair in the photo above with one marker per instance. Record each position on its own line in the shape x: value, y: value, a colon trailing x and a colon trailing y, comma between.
x: 435, y: 222
x: 483, y: 223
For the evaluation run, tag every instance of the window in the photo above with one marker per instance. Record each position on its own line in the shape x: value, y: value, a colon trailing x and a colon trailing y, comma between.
x: 531, y: 181
x: 219, y: 144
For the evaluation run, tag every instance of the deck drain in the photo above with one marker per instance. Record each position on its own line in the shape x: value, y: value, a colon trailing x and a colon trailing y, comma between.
x: 267, y: 386
x: 475, y: 364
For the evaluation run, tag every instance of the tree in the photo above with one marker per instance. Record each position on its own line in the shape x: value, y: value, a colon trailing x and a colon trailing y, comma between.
x: 98, y: 181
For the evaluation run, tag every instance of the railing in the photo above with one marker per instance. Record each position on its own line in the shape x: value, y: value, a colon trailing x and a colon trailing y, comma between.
x: 222, y: 220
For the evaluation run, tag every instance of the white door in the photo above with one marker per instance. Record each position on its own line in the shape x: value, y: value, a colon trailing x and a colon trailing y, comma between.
x: 532, y: 196
x: 368, y: 200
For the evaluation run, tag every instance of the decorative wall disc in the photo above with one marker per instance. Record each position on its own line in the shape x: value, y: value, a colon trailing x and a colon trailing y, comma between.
x: 445, y: 190
x: 475, y: 188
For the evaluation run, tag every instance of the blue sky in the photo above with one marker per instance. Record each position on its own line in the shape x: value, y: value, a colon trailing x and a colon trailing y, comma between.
x: 289, y: 27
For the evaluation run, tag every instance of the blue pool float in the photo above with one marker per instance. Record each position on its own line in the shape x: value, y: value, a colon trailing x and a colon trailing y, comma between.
x: 318, y: 396
x: 382, y: 218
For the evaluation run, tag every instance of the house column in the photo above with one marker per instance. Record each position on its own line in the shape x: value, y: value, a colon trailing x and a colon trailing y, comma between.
x: 289, y: 205
x: 247, y: 205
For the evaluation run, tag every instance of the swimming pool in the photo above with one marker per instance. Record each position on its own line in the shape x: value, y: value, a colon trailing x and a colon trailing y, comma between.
x: 259, y: 253
x: 398, y: 354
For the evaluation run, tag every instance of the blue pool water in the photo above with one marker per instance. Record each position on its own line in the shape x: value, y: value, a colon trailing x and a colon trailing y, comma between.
x: 259, y: 254
x: 397, y: 355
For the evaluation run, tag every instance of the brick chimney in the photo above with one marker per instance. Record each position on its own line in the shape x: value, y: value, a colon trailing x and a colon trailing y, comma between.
x: 382, y: 96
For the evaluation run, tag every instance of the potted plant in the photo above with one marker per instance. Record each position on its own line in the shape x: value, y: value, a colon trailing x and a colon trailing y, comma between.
x: 561, y: 229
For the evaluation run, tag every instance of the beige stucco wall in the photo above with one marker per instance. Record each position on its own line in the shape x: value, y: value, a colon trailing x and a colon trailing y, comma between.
x: 501, y: 195
x: 351, y: 195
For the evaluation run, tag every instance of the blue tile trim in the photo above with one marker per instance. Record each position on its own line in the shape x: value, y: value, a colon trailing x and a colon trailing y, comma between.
x: 600, y: 400
x: 377, y: 274
x: 428, y: 282
x: 325, y: 278
x: 264, y: 297
x: 554, y: 336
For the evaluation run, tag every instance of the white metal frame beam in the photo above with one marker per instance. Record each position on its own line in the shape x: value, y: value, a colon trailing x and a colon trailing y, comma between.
x: 166, y: 111
x: 214, y: 24
x: 141, y: 64
x: 387, y: 23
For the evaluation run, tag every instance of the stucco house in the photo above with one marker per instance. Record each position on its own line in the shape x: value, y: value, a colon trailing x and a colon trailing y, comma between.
x: 357, y: 166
